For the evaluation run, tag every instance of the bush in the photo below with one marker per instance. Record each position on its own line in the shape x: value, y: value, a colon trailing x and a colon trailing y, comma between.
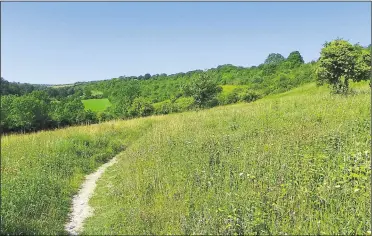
x: 104, y: 116
x: 90, y: 117
x: 203, y: 89
x: 232, y: 97
x: 250, y: 96
x: 164, y: 107
x: 184, y: 104
x: 141, y: 107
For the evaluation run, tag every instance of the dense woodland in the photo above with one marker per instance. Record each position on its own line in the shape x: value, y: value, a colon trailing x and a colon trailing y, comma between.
x: 26, y: 107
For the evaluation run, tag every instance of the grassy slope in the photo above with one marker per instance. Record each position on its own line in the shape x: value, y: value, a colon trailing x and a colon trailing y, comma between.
x: 297, y: 162
x: 41, y: 172
x: 226, y: 89
x: 96, y: 104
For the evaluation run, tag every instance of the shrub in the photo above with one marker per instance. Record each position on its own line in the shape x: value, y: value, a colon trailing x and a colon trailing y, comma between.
x: 141, y: 107
x: 164, y: 107
x: 203, y: 89
x: 184, y: 104
x: 232, y: 97
x: 250, y: 96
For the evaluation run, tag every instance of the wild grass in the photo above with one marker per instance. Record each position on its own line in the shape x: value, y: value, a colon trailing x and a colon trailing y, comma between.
x: 292, y: 163
x: 226, y: 89
x: 41, y: 172
x: 96, y: 104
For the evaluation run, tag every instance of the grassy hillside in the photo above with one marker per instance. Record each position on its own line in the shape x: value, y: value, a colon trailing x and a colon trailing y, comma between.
x: 290, y: 163
x: 96, y: 104
x: 41, y: 172
x: 226, y: 89
x: 293, y: 163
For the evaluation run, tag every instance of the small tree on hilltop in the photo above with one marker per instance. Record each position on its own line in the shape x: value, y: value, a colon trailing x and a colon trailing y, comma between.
x: 294, y: 59
x: 274, y: 59
x: 340, y: 62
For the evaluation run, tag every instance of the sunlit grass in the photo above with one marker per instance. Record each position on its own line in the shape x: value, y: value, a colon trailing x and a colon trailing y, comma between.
x: 41, y: 172
x: 295, y: 163
x: 96, y: 104
x: 226, y: 89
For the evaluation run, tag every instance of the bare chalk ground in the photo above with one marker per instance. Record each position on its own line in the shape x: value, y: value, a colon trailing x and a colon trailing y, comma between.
x: 80, y: 208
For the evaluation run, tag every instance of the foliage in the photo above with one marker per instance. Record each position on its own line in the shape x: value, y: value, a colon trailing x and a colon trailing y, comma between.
x: 276, y: 75
x: 341, y: 62
x: 141, y: 107
x: 203, y: 89
x: 184, y: 104
x: 250, y: 96
x: 294, y: 59
x: 164, y: 107
x: 274, y: 59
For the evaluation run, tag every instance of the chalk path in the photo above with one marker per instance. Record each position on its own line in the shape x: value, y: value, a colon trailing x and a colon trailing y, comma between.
x: 80, y: 207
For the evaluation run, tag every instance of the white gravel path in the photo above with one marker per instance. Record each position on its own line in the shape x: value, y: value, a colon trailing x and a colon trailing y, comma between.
x: 80, y: 208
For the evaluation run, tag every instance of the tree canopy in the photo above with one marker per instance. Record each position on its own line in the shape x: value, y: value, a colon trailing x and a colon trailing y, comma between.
x: 340, y: 62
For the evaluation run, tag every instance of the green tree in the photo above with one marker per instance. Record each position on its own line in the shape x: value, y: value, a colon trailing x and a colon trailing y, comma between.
x: 203, y: 89
x: 87, y: 93
x: 122, y: 97
x: 294, y: 59
x: 274, y: 59
x: 340, y: 62
x: 27, y: 113
x: 6, y: 106
x: 74, y: 111
x: 141, y: 107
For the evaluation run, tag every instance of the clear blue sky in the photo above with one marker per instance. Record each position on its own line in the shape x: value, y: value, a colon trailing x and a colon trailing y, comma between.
x: 63, y: 42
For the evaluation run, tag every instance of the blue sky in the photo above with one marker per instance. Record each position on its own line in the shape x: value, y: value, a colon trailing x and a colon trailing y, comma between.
x: 66, y: 42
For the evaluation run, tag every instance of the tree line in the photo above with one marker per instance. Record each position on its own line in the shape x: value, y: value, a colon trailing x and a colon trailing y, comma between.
x: 27, y: 107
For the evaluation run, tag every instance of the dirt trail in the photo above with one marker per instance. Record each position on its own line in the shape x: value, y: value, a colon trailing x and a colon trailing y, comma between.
x: 80, y: 208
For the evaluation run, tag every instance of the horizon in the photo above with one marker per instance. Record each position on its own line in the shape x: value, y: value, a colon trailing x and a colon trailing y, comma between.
x: 70, y: 42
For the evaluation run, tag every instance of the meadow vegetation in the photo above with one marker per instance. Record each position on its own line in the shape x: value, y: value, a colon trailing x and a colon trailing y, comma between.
x: 291, y: 163
x: 41, y: 172
x: 287, y: 157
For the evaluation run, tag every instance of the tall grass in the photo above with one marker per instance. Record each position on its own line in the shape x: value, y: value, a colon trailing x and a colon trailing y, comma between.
x: 41, y: 172
x: 295, y: 163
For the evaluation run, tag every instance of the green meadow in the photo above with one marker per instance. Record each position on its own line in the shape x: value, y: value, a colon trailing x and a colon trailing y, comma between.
x: 286, y: 164
x: 96, y: 104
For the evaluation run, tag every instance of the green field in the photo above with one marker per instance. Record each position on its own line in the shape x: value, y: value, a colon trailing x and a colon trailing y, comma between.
x: 96, y: 104
x: 291, y: 163
x: 226, y: 89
